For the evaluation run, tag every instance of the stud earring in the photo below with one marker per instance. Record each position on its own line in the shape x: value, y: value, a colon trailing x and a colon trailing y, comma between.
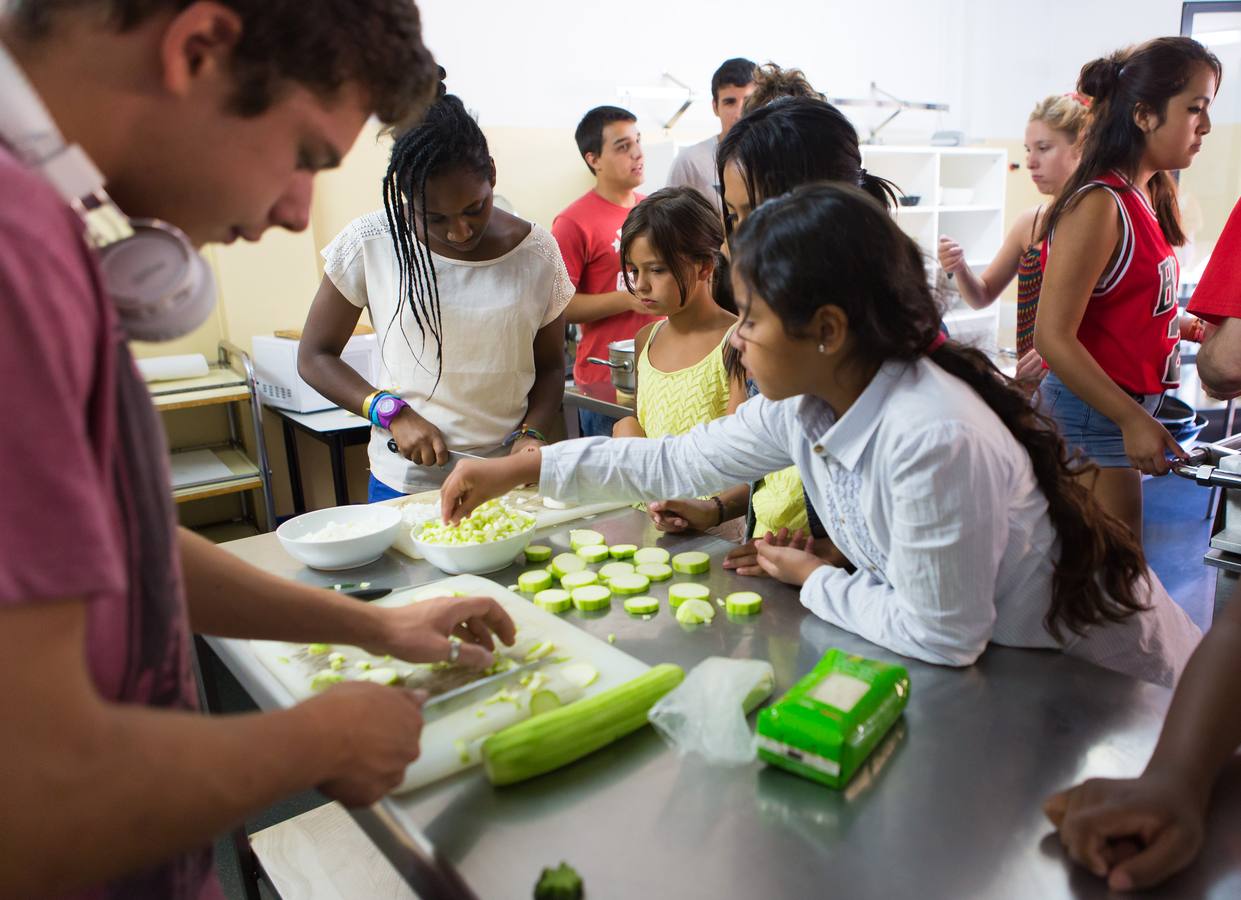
x: 822, y: 349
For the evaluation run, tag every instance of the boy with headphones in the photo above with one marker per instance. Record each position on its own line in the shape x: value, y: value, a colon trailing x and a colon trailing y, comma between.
x: 203, y: 121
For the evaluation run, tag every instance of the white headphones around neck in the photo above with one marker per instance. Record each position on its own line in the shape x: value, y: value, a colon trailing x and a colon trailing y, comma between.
x: 162, y: 288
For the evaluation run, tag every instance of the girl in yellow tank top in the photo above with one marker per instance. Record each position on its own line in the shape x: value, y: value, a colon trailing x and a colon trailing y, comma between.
x: 688, y: 373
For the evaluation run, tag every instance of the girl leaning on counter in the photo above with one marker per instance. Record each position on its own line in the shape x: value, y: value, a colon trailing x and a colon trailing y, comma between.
x: 948, y: 492
x: 467, y: 302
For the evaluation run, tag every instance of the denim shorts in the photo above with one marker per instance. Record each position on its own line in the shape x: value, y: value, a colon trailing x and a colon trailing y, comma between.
x: 1083, y: 427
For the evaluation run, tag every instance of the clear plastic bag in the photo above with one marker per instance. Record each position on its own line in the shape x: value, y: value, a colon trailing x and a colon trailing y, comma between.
x: 705, y: 714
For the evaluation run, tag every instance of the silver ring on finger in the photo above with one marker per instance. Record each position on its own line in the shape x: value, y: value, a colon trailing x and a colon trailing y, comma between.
x: 454, y: 648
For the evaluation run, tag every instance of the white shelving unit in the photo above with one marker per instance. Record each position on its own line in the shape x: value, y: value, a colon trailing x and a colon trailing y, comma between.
x: 960, y: 193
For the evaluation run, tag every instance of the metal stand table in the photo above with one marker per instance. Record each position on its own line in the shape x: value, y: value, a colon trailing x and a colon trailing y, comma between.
x: 338, y: 429
x: 598, y: 397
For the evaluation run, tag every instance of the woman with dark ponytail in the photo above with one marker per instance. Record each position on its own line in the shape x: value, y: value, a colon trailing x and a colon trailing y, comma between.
x: 790, y: 141
x: 951, y: 496
x: 467, y: 301
x: 1107, y: 324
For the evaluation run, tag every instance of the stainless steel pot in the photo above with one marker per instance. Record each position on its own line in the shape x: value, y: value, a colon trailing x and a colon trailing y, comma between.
x: 622, y: 363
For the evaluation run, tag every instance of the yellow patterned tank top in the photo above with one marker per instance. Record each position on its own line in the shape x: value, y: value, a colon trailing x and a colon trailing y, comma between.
x: 671, y: 403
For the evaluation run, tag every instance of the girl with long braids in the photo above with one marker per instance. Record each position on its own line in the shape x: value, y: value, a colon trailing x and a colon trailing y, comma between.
x: 948, y: 491
x: 1108, y: 325
x: 467, y: 303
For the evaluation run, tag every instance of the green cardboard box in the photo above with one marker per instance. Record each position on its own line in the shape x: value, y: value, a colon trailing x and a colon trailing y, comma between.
x: 829, y: 722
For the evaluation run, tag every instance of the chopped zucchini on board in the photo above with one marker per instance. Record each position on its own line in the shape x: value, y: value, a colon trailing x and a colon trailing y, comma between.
x: 324, y: 680
x: 563, y: 735
x: 622, y: 551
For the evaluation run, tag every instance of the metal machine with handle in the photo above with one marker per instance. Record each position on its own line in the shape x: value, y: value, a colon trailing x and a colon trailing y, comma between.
x: 1218, y: 466
x: 1199, y: 468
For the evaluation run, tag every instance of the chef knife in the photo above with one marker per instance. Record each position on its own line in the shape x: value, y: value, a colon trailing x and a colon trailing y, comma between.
x: 453, y: 455
x: 478, y: 683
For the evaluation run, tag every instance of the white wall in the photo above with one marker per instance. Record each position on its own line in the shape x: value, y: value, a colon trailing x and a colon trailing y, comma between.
x: 1014, y: 54
x: 543, y: 63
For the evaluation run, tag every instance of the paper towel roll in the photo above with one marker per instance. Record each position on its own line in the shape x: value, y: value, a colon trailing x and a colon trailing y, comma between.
x: 169, y: 368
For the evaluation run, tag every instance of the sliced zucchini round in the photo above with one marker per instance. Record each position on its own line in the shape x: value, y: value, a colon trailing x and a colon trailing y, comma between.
x: 584, y: 537
x: 592, y: 597
x: 537, y: 553
x: 554, y: 600
x: 655, y: 571
x: 534, y: 581
x: 651, y: 555
x: 681, y: 592
x: 743, y: 603
x: 593, y: 553
x: 629, y: 583
x: 695, y: 612
x: 575, y: 580
x: 691, y: 562
x: 641, y: 606
x: 622, y: 551
x: 612, y: 569
x: 567, y: 563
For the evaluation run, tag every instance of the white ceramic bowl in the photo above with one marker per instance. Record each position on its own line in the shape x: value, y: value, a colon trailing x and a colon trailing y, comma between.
x: 382, y: 523
x: 474, y: 559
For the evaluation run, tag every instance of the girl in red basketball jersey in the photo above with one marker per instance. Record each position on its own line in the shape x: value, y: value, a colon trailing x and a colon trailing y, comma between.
x: 1107, y: 323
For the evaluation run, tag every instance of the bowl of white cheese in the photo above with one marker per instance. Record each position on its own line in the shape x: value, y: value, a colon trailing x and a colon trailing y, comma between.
x: 340, y: 537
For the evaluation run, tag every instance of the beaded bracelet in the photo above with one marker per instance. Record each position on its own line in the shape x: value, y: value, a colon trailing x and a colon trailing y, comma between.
x: 525, y: 430
x: 719, y: 505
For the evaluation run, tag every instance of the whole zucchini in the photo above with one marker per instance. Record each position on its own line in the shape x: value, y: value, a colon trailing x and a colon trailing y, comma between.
x: 557, y: 738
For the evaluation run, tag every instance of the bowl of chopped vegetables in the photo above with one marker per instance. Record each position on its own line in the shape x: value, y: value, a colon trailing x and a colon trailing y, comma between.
x: 341, y: 537
x: 486, y: 540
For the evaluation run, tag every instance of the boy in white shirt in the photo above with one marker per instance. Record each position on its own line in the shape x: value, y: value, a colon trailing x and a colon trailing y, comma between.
x: 694, y: 166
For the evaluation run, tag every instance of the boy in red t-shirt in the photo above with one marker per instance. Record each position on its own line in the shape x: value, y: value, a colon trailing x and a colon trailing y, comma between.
x: 588, y: 232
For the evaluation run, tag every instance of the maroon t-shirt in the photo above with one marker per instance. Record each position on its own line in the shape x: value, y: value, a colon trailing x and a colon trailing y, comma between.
x: 87, y: 509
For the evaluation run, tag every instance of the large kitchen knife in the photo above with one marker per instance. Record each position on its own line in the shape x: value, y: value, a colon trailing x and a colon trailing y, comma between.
x: 439, y: 699
x: 454, y: 456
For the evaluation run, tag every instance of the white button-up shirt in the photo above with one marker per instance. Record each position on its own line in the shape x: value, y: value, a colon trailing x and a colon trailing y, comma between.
x: 926, y: 492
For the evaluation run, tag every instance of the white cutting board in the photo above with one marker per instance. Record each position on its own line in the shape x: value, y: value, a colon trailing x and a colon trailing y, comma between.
x: 525, y: 499
x: 442, y: 753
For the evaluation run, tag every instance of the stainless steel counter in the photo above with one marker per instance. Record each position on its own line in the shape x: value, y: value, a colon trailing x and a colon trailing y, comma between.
x: 599, y: 397
x: 948, y: 808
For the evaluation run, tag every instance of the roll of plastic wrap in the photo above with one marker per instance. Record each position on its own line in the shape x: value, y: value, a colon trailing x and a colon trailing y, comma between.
x: 169, y: 368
